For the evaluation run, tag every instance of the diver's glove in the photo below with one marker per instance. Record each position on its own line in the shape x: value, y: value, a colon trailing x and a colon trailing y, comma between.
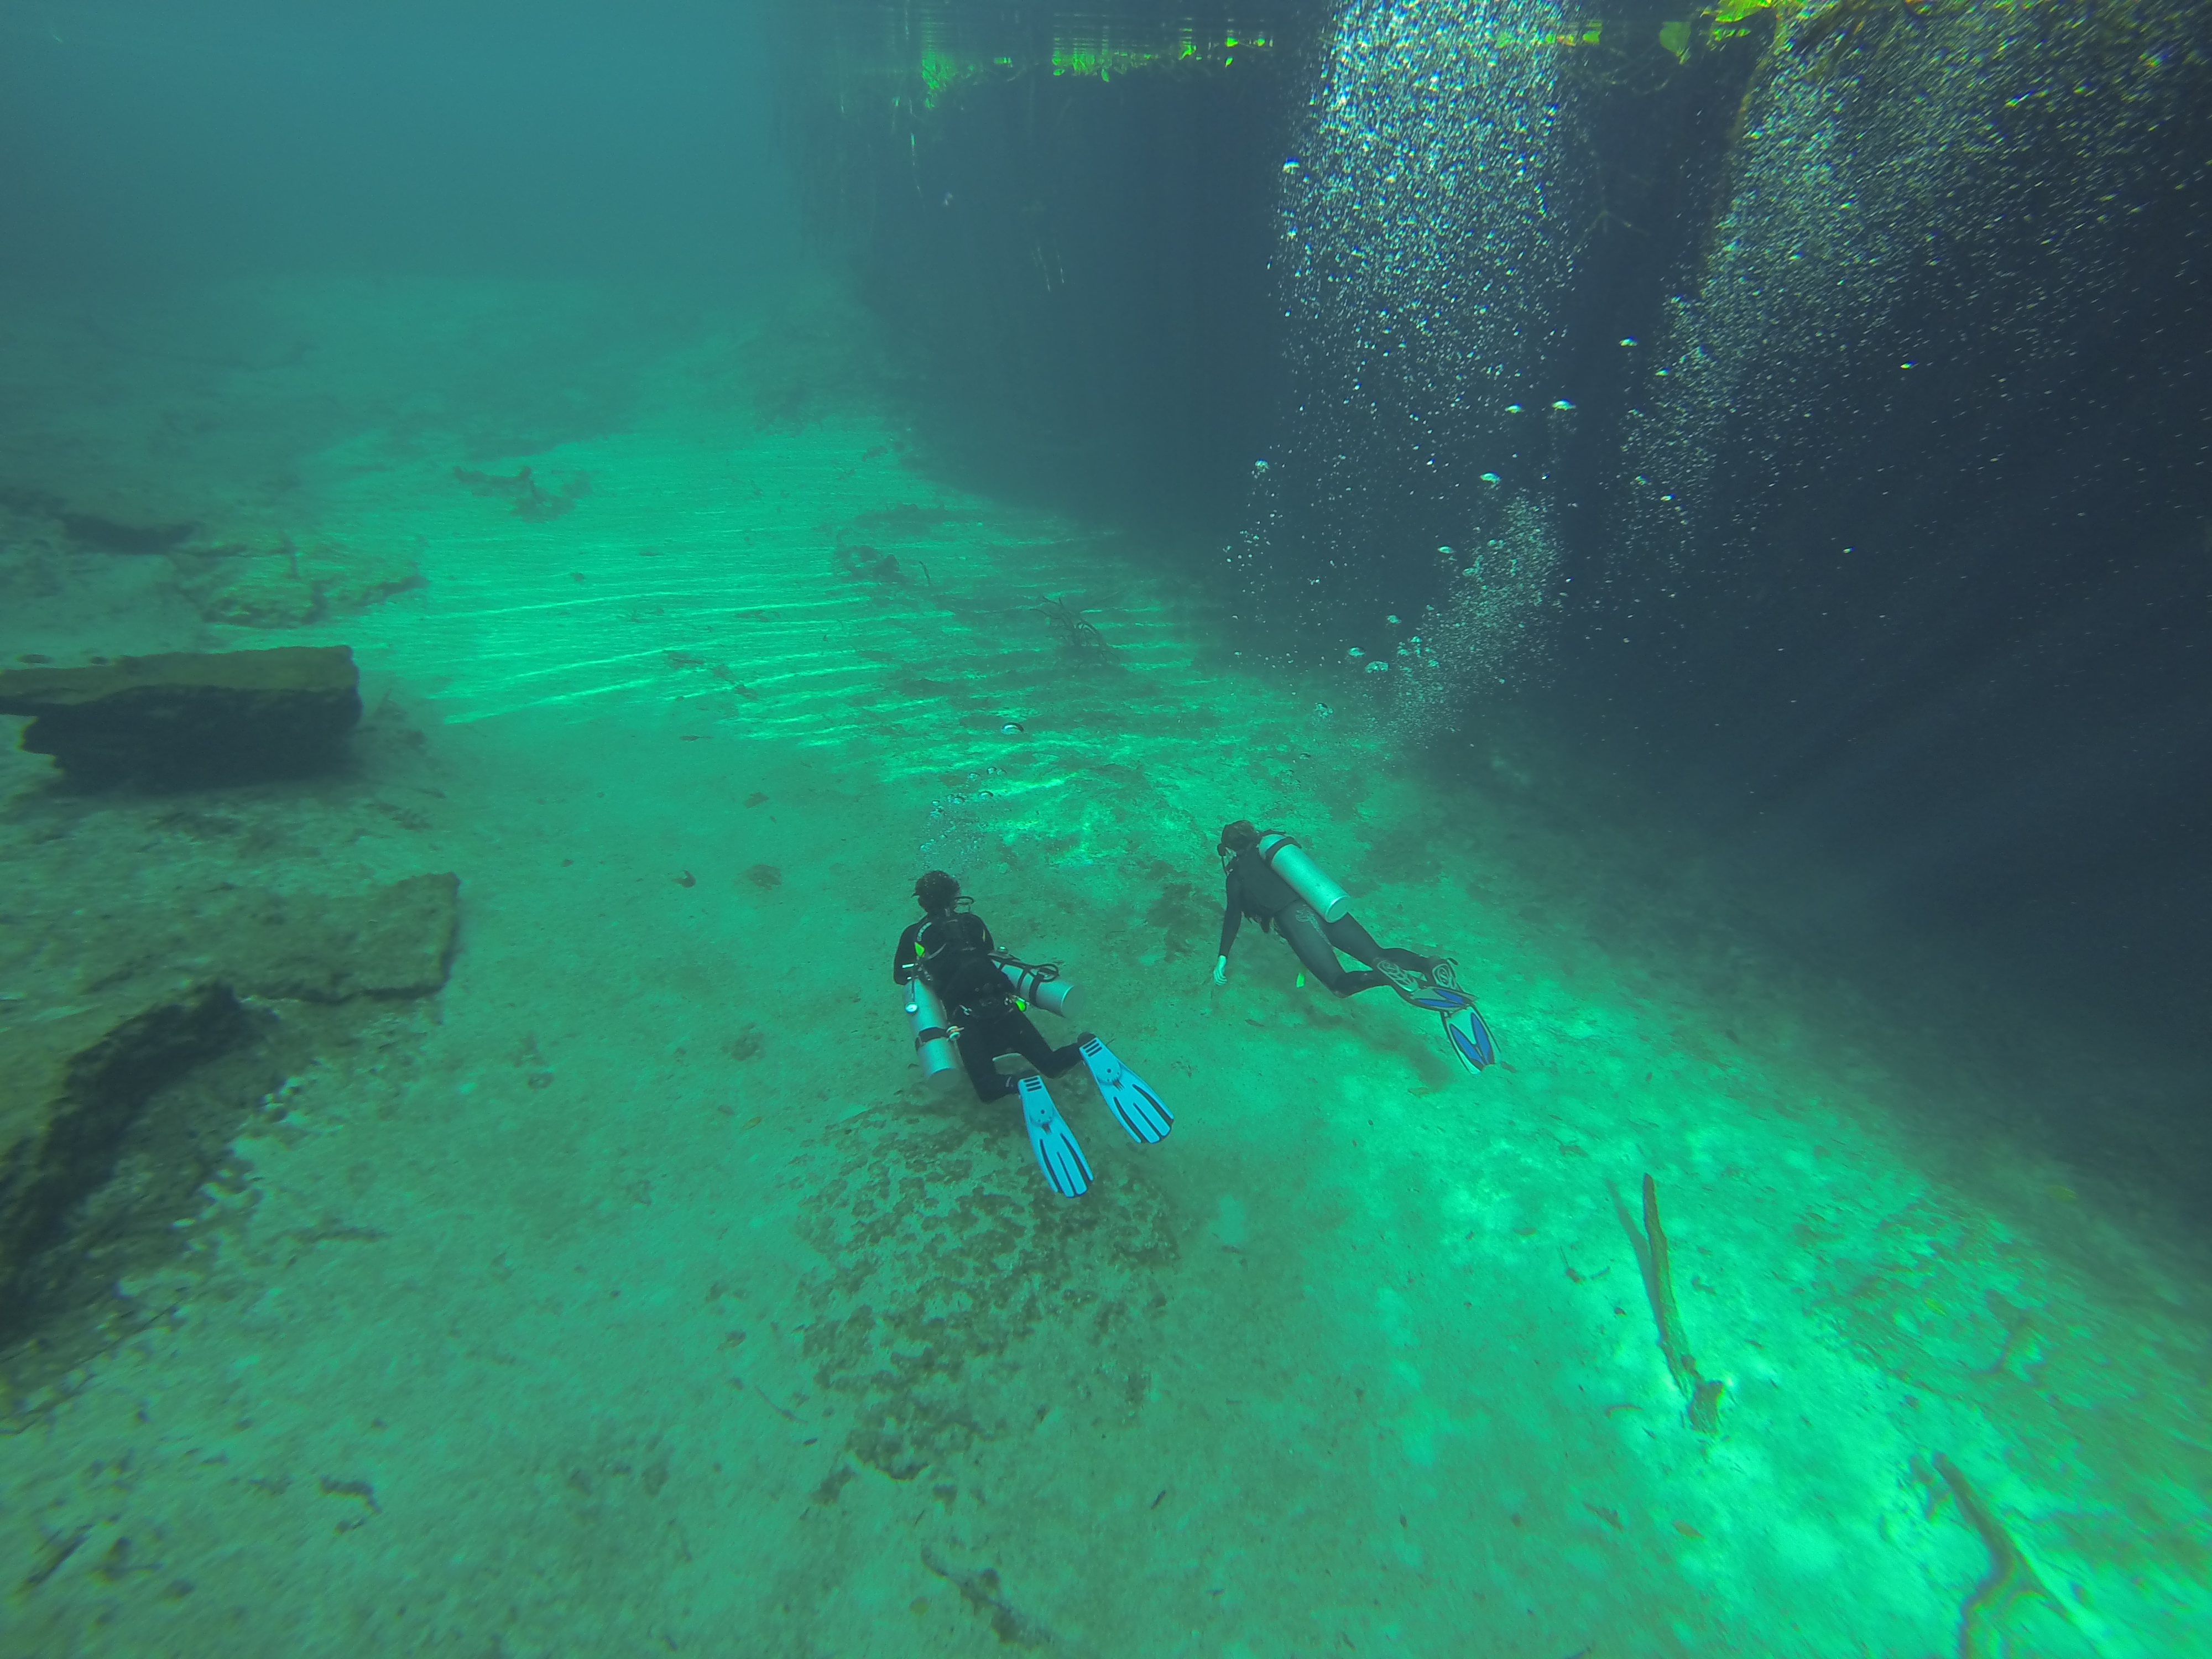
x: 1221, y: 970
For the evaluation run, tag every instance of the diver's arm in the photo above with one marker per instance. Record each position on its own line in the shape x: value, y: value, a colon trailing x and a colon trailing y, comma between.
x: 1232, y: 918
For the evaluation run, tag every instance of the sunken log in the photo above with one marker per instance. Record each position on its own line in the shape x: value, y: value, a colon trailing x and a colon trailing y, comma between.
x: 191, y: 717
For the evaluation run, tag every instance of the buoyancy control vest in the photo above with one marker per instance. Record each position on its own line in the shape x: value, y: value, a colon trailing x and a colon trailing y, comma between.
x: 953, y: 956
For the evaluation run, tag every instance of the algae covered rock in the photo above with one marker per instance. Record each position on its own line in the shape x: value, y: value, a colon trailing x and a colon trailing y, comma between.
x: 71, y: 1090
x: 136, y: 1037
x: 191, y: 717
x: 290, y: 586
x: 393, y: 941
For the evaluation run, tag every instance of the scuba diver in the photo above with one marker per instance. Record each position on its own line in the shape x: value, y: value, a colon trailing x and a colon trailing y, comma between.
x: 1272, y: 880
x: 962, y: 989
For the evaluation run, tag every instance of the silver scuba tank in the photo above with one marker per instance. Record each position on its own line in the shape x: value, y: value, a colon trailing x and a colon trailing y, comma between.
x: 1308, y: 879
x: 1055, y: 996
x: 932, y: 1043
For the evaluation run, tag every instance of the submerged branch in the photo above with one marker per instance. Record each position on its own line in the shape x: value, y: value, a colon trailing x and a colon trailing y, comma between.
x: 1701, y: 1395
x: 2009, y: 1577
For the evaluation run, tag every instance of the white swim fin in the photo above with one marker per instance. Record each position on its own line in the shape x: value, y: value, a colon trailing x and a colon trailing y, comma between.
x: 1127, y: 1095
x: 1057, y: 1153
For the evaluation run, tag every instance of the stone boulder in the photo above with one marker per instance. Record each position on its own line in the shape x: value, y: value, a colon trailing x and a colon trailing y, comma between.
x: 189, y: 717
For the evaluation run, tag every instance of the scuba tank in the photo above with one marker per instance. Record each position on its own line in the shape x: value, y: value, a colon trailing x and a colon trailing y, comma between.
x: 1041, y: 986
x: 932, y: 1043
x: 1307, y: 879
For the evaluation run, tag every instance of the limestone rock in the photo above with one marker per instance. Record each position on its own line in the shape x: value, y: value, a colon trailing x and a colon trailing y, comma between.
x: 289, y: 585
x: 191, y: 717
x: 117, y: 1029
x: 395, y: 941
x: 69, y: 1090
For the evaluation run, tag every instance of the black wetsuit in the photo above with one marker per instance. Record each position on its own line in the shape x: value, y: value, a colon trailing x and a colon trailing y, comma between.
x: 1256, y: 890
x: 953, y: 953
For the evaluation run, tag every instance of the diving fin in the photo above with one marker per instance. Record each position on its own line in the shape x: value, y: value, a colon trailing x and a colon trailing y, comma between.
x: 1127, y: 1095
x: 1053, y: 1142
x: 1468, y: 1038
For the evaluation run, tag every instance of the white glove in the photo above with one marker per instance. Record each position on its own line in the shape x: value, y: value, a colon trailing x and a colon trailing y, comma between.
x: 1221, y: 970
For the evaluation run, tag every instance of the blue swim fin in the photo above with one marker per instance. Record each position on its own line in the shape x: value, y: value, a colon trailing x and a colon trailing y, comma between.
x: 1057, y: 1153
x: 1468, y: 1038
x: 1127, y: 1095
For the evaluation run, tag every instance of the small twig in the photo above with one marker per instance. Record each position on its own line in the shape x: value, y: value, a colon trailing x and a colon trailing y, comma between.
x: 59, y: 1550
x: 1074, y: 629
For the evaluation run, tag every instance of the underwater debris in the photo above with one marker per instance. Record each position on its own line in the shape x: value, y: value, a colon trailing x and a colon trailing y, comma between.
x: 870, y: 564
x: 764, y: 877
x: 2009, y: 1577
x: 531, y: 499
x: 982, y: 1593
x: 1701, y: 1395
x: 1075, y: 629
x: 360, y: 1489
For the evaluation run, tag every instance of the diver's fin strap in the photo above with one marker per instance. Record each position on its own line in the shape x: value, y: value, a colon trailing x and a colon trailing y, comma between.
x: 1434, y: 984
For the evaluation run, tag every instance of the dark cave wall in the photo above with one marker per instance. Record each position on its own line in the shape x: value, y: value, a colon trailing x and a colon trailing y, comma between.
x: 1073, y: 277
x: 1960, y: 660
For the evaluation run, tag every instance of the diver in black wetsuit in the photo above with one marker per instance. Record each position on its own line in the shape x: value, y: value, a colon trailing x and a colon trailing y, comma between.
x: 1257, y: 890
x: 951, y: 952
x: 952, y: 949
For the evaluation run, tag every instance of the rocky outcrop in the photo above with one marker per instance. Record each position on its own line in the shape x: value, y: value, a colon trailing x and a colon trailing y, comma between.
x: 133, y: 1046
x: 291, y: 584
x: 395, y: 941
x: 71, y: 1091
x: 191, y: 717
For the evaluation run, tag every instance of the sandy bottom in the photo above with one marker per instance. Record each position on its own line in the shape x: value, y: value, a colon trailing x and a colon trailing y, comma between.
x: 639, y: 1296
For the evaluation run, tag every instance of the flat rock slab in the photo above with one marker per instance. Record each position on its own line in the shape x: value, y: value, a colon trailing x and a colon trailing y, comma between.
x: 395, y: 941
x: 191, y: 717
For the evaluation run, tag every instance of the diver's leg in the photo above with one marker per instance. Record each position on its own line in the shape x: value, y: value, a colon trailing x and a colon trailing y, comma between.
x: 1302, y: 929
x: 1019, y: 1033
x: 979, y: 1053
x: 1349, y: 935
x: 1431, y: 982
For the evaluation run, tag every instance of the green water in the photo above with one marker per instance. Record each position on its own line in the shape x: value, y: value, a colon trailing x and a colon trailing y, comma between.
x: 636, y: 1295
